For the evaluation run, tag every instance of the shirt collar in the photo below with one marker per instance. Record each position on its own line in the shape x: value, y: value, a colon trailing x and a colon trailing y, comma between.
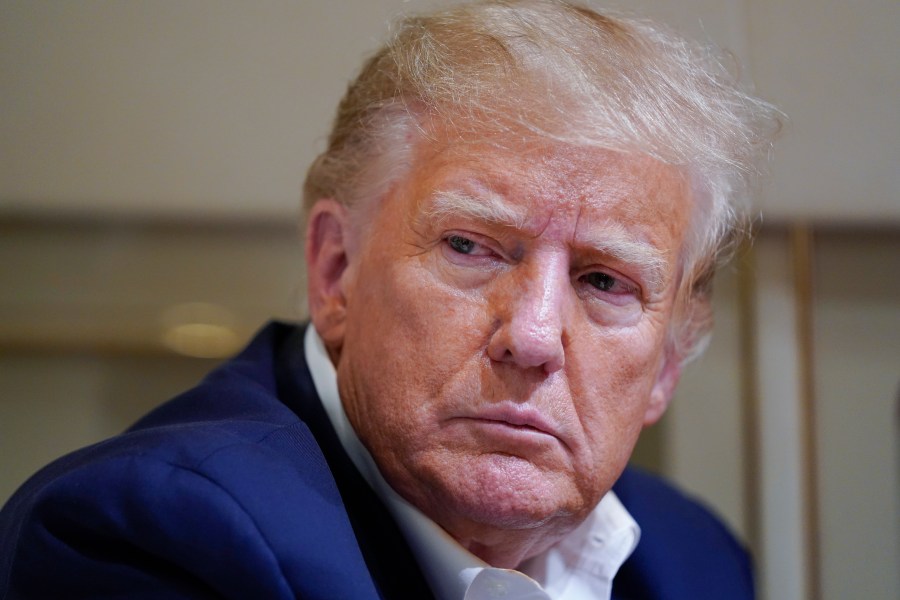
x: 583, y: 564
x: 587, y: 558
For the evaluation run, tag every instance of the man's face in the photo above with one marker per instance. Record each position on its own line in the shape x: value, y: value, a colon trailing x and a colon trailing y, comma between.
x: 503, y: 332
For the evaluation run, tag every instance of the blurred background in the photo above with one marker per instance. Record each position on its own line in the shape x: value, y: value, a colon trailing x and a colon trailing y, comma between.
x: 151, y: 157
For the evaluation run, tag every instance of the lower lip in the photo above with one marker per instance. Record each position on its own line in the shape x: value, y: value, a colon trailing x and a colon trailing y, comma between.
x: 519, y: 433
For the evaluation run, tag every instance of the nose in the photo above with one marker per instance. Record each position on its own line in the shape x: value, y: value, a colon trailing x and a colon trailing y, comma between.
x: 532, y: 314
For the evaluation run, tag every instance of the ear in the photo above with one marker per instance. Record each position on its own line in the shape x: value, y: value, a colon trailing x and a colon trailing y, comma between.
x: 663, y: 388
x: 327, y: 236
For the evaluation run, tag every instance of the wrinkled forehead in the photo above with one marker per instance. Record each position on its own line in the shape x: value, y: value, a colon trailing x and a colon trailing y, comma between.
x: 540, y: 175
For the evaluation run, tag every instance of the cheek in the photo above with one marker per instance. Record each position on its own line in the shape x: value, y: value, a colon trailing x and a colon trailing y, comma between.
x: 407, y: 336
x: 436, y: 318
x: 615, y: 388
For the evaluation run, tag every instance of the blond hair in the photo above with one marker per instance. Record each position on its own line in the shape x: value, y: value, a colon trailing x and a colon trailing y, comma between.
x: 565, y: 73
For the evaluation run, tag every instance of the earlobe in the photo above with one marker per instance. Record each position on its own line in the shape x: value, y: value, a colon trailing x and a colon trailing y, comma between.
x: 663, y: 389
x: 326, y: 262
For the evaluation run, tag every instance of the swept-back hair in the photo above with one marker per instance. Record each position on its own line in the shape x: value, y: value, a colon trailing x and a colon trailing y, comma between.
x: 565, y: 73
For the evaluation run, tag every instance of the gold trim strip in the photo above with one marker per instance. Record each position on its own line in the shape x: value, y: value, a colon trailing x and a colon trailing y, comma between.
x: 802, y: 240
x: 749, y: 390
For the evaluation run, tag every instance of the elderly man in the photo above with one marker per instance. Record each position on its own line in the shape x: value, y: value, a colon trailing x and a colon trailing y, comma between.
x: 509, y: 246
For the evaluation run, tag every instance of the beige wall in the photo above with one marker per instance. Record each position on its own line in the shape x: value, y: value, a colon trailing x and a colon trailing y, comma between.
x: 857, y: 335
x: 212, y: 108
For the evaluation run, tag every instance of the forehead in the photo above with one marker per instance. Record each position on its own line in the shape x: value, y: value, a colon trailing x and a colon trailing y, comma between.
x: 537, y: 180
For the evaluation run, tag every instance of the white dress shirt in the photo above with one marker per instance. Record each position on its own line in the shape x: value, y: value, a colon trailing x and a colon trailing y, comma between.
x: 579, y: 567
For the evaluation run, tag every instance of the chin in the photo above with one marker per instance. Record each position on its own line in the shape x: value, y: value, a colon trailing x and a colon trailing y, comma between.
x: 509, y: 492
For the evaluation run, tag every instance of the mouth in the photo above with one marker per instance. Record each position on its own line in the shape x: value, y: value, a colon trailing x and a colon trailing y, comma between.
x: 514, y: 420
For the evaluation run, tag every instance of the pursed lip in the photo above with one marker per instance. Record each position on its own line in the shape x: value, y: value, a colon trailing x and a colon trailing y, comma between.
x: 517, y: 416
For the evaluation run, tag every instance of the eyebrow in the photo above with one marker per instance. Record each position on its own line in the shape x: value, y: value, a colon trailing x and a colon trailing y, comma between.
x: 614, y: 240
x: 488, y: 207
x: 609, y: 238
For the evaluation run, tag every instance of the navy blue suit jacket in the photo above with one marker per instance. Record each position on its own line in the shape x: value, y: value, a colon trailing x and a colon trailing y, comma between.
x: 239, y: 488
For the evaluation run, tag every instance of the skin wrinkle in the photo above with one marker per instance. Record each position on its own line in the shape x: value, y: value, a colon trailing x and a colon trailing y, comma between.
x: 460, y: 339
x: 610, y: 238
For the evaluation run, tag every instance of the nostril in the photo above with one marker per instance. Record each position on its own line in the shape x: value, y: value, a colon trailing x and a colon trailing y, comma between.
x: 498, y: 350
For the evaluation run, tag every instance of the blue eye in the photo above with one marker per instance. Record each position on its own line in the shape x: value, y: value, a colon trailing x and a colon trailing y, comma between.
x: 601, y: 281
x: 461, y: 244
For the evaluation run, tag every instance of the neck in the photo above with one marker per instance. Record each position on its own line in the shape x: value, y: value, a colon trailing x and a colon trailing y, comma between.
x: 509, y: 548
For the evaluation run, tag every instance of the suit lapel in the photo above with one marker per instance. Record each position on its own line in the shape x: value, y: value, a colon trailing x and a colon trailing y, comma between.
x: 389, y: 559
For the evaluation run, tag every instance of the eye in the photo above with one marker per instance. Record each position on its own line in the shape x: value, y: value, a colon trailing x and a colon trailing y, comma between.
x: 464, y: 245
x: 605, y: 282
x: 461, y: 244
x: 601, y: 281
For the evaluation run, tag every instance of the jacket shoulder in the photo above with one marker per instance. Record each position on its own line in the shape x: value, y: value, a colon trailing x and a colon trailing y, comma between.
x: 191, y: 503
x: 191, y: 512
x: 685, y: 551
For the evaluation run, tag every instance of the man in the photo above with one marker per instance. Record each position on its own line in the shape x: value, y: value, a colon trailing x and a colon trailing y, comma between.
x: 509, y: 244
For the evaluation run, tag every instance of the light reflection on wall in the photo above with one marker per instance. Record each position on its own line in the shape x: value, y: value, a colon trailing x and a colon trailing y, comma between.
x: 201, y: 330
